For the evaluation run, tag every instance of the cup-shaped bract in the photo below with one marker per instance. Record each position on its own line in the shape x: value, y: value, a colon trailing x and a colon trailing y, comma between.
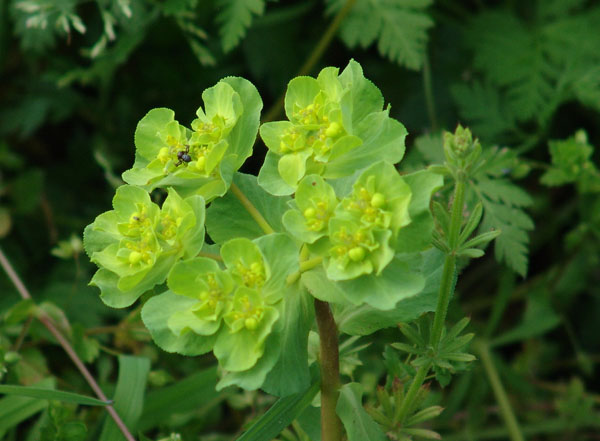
x: 201, y: 279
x: 336, y: 124
x: 136, y: 243
x: 312, y: 207
x: 356, y: 250
x: 231, y: 307
x: 379, y: 199
x: 201, y: 160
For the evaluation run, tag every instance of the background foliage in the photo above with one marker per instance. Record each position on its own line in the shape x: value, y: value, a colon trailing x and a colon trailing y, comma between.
x: 525, y: 76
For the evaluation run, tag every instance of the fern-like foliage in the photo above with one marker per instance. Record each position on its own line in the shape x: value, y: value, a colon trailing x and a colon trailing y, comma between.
x: 235, y: 18
x: 399, y: 27
x: 504, y: 204
x: 535, y: 65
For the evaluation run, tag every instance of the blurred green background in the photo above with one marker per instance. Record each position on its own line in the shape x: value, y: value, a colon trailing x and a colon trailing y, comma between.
x: 77, y: 76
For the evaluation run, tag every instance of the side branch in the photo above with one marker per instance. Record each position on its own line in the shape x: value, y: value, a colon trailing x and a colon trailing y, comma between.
x: 251, y: 209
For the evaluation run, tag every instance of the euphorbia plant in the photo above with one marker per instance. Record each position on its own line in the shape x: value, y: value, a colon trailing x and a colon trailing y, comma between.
x: 330, y: 220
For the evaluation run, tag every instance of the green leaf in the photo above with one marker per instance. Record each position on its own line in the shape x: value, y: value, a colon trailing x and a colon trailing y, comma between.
x: 280, y: 415
x: 49, y: 394
x: 129, y: 396
x: 235, y: 17
x: 398, y: 281
x: 357, y: 422
x: 365, y: 319
x: 15, y: 409
x: 485, y: 109
x: 399, y: 26
x: 291, y: 375
x: 159, y: 404
x: 539, y: 318
x: 383, y: 140
x: 417, y: 235
x: 227, y: 218
x: 156, y: 313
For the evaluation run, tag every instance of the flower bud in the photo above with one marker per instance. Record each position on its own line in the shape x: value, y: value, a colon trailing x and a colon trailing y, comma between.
x: 357, y: 254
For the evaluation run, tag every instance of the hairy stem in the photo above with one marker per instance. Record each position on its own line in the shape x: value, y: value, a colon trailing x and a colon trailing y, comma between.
x: 508, y: 415
x: 445, y: 292
x: 448, y: 274
x: 49, y: 324
x: 331, y: 426
x: 314, y: 56
x: 411, y: 394
x: 251, y: 209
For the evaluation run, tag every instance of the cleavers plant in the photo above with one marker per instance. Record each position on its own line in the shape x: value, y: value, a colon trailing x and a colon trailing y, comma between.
x: 329, y: 220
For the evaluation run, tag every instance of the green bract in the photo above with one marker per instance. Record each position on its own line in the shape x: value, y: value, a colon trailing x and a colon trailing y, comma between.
x: 232, y: 308
x: 336, y: 125
x: 354, y: 233
x: 201, y: 160
x: 136, y: 244
x: 311, y: 209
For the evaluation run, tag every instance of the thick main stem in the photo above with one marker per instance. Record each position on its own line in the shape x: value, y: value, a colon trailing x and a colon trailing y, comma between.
x: 331, y: 426
x: 47, y: 322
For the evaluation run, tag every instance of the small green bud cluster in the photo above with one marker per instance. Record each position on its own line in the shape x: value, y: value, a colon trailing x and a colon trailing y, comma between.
x: 461, y: 150
x: 230, y: 307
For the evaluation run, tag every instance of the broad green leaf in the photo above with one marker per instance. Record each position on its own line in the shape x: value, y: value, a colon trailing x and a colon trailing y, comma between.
x: 14, y: 409
x: 129, y: 396
x: 159, y: 404
x: 362, y: 98
x: 156, y: 313
x: 280, y: 415
x: 242, y: 137
x: 253, y: 378
x: 357, y: 422
x: 291, y: 375
x: 227, y: 218
x: 416, y: 236
x: 301, y: 92
x: 269, y: 178
x: 281, y: 254
x: 50, y: 394
x: 364, y: 319
x: 383, y: 140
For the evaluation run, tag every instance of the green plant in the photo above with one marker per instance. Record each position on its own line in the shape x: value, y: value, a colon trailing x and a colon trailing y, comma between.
x: 355, y: 235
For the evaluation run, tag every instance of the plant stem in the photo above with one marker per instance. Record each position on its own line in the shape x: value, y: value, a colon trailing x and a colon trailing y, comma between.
x: 448, y: 274
x: 260, y: 220
x: 514, y: 432
x: 410, y: 396
x: 49, y: 324
x: 428, y: 86
x: 314, y: 56
x: 331, y: 426
x: 304, y: 266
x: 446, y: 289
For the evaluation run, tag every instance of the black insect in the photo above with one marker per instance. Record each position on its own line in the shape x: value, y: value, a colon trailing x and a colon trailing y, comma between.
x: 183, y: 156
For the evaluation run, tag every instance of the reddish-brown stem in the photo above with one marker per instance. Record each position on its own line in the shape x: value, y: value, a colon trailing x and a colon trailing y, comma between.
x: 331, y: 426
x: 48, y: 323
